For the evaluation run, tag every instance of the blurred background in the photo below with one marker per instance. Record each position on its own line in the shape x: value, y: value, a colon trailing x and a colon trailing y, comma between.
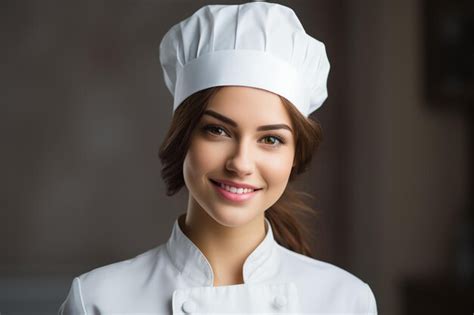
x: 84, y: 109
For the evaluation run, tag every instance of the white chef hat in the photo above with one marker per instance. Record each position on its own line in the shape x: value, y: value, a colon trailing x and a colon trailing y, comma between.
x: 256, y: 44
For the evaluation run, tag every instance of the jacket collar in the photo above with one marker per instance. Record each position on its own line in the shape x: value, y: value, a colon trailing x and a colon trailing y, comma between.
x: 259, y: 266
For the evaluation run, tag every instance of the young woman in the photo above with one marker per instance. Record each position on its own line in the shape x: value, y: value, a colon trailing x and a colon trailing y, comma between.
x: 244, y: 80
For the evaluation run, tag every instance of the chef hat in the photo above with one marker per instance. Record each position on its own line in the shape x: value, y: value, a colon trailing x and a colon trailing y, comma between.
x: 256, y: 44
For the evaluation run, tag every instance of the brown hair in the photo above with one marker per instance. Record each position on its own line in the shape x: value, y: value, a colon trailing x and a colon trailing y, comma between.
x: 284, y: 215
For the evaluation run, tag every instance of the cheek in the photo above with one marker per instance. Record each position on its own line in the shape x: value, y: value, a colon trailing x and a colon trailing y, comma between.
x: 277, y: 170
x: 200, y: 159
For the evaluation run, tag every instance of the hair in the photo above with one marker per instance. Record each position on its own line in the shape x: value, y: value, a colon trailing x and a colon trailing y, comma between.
x: 285, y: 214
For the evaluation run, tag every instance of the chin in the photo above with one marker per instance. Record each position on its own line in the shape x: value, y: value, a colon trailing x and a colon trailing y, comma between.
x: 232, y: 217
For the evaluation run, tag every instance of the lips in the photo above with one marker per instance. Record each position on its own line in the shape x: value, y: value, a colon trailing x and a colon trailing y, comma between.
x: 233, y: 184
x: 236, y: 195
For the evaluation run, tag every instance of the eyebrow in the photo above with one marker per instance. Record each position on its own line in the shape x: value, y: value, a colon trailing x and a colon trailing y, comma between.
x: 234, y: 124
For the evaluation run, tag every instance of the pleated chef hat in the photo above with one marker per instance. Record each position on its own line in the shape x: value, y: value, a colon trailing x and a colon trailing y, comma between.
x: 256, y: 44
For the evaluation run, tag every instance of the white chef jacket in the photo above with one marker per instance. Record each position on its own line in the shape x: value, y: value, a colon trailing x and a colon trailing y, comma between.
x: 176, y: 278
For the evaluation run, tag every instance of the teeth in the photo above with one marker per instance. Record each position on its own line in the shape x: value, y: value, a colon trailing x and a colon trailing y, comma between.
x: 236, y: 190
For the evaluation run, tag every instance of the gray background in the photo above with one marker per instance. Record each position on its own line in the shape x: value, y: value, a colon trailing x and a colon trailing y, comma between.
x: 84, y: 109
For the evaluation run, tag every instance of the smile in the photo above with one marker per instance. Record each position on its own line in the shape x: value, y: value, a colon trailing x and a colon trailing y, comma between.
x: 234, y: 193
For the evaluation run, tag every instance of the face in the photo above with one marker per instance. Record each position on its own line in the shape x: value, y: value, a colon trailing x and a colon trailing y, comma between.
x: 243, y: 139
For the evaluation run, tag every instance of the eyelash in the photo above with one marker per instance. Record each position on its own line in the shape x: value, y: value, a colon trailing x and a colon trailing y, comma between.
x: 208, y: 128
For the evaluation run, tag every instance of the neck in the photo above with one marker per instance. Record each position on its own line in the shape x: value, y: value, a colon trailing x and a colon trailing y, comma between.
x: 226, y: 248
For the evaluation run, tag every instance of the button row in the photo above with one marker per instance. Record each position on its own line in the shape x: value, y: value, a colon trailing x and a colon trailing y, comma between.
x: 190, y: 307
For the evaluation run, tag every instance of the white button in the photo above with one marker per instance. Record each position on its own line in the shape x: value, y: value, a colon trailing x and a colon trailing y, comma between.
x: 279, y: 301
x: 188, y: 307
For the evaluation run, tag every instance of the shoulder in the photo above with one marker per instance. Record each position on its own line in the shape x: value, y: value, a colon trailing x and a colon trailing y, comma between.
x: 101, y: 286
x: 328, y: 281
x: 310, y: 267
x: 121, y: 276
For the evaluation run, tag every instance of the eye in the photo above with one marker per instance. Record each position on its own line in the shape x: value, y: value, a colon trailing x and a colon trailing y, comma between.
x: 215, y: 130
x: 273, y: 140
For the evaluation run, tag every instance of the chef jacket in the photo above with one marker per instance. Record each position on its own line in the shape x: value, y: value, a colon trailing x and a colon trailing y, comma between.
x: 176, y: 278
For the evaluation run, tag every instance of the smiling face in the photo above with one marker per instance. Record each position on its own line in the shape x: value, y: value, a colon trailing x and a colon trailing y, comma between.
x: 244, y: 138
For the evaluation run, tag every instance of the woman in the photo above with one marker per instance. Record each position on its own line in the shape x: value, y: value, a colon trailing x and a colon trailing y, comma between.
x: 244, y: 80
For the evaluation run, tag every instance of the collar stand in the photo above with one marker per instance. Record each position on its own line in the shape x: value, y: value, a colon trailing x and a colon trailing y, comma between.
x: 260, y: 265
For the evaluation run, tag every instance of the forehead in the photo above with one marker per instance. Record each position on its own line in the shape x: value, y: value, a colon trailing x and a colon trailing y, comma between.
x: 249, y: 105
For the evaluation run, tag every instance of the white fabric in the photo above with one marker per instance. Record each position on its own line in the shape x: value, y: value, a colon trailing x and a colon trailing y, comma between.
x: 256, y: 44
x: 176, y: 278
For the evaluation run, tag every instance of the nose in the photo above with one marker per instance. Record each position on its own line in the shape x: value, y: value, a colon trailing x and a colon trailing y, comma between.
x: 241, y: 160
